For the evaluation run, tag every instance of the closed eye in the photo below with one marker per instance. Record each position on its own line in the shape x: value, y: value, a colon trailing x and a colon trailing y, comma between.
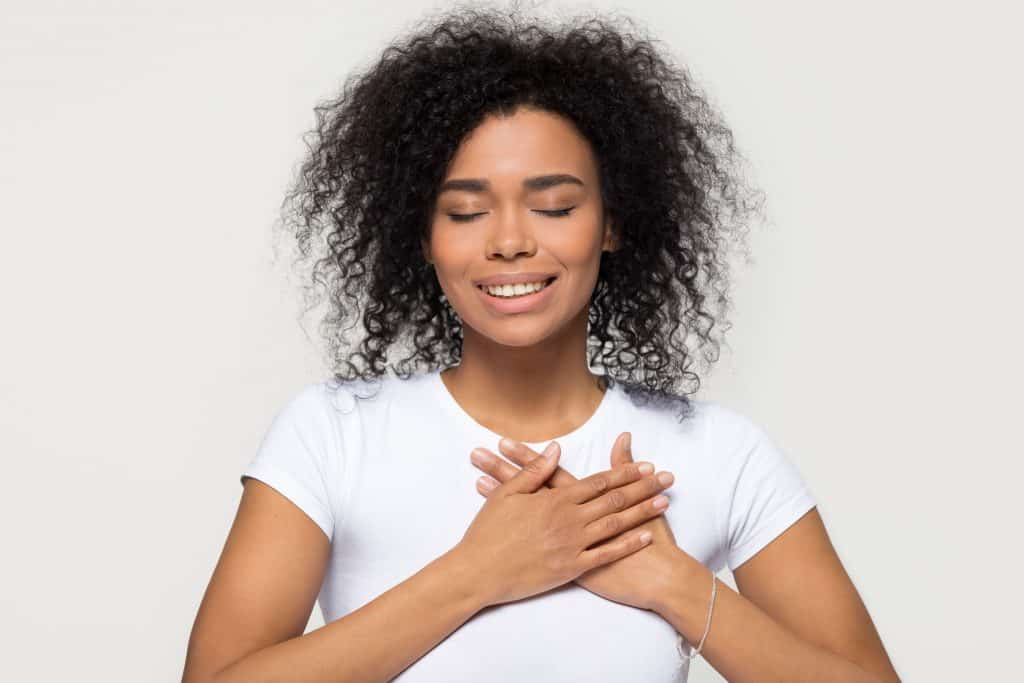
x: 558, y: 213
x: 463, y: 217
x: 467, y: 217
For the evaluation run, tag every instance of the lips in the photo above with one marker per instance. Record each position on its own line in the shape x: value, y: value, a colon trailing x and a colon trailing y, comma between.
x: 523, y: 303
x: 546, y: 284
x: 515, y: 278
x: 546, y: 281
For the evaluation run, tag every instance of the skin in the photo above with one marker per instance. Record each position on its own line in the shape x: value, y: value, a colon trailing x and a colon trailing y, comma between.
x: 639, y: 579
x: 797, y: 615
x: 523, y: 375
x: 527, y: 537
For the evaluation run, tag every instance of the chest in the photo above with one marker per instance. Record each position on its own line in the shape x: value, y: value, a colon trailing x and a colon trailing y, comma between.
x: 403, y: 504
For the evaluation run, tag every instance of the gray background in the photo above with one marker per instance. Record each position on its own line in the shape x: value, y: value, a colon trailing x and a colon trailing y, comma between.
x: 149, y: 334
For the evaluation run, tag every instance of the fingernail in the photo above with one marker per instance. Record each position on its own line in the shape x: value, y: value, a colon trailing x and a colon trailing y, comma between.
x: 660, y: 502
x: 486, y: 483
x: 478, y: 457
x: 628, y: 440
x: 666, y: 478
x: 507, y: 444
x: 646, y: 468
x: 550, y: 450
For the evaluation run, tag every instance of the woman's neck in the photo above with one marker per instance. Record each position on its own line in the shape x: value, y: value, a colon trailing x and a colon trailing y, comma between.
x: 527, y: 394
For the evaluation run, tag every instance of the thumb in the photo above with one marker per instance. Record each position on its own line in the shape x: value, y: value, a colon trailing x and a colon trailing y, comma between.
x: 622, y: 450
x: 535, y: 472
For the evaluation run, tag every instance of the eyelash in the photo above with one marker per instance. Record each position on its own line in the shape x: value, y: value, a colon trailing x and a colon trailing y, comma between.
x: 467, y: 217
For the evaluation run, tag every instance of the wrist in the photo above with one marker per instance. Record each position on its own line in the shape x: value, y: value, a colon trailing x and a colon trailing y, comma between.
x: 463, y: 571
x: 686, y: 591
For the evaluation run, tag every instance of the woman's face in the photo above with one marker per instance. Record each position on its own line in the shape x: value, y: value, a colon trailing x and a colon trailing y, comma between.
x: 521, y: 196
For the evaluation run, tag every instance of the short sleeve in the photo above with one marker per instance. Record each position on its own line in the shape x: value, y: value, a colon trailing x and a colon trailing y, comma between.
x: 295, y: 456
x: 764, y: 493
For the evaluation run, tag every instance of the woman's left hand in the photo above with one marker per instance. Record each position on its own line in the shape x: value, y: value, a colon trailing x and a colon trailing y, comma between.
x: 638, y: 579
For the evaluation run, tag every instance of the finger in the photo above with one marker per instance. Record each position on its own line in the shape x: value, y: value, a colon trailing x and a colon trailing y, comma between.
x: 622, y: 452
x: 598, y: 484
x: 491, y: 464
x: 534, y: 473
x: 520, y: 454
x: 485, y: 485
x: 610, y: 525
x: 627, y: 544
x: 618, y: 499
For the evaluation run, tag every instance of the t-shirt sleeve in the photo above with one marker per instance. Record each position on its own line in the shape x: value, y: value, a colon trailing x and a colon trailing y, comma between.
x: 297, y: 457
x: 765, y: 494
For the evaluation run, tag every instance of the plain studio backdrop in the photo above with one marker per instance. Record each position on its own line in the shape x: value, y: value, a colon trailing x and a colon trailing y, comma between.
x: 151, y: 330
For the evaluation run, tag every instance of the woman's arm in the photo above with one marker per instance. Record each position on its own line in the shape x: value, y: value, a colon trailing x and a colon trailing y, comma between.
x: 378, y: 640
x: 798, y: 619
x: 250, y: 623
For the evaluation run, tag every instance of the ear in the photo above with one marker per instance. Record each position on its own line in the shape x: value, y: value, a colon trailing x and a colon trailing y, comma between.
x: 610, y: 241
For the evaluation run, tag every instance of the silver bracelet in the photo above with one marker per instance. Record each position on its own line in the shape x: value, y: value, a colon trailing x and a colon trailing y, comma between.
x: 707, y: 626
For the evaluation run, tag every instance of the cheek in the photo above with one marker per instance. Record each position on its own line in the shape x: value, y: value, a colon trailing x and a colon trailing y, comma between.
x: 451, y: 266
x: 576, y: 246
x: 452, y: 251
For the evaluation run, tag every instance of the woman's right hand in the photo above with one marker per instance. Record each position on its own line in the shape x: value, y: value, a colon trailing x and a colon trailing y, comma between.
x: 528, y: 538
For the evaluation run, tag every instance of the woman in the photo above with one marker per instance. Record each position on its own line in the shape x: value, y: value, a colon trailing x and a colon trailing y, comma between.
x: 513, y: 204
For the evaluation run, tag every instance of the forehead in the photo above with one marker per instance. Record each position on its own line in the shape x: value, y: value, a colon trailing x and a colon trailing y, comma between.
x: 527, y: 143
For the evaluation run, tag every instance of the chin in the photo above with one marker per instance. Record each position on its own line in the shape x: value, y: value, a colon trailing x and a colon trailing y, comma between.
x: 522, y: 338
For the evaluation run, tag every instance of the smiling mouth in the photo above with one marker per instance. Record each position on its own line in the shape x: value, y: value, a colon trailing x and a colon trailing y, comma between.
x: 547, y: 283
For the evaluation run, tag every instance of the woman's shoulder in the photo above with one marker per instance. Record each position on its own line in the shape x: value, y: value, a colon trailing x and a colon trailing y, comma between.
x: 348, y: 395
x: 725, y: 417
x: 729, y: 429
x: 670, y: 411
x: 721, y: 427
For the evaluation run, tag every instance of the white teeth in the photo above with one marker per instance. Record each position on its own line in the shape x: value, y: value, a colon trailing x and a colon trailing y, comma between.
x: 518, y: 289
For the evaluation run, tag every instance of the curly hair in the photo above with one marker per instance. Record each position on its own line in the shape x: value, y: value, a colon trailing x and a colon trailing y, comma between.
x: 669, y: 172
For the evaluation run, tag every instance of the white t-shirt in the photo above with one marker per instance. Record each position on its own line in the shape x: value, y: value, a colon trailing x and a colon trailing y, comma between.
x: 389, y: 481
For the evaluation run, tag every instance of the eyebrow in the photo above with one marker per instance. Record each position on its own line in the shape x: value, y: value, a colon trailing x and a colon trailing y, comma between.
x: 532, y: 184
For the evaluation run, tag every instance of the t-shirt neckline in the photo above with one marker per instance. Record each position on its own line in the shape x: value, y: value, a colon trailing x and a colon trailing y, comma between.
x: 573, y: 438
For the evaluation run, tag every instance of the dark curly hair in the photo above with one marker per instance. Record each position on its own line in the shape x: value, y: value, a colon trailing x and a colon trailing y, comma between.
x: 669, y: 172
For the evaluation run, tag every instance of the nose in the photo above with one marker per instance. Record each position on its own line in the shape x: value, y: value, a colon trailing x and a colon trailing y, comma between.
x: 510, y: 238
